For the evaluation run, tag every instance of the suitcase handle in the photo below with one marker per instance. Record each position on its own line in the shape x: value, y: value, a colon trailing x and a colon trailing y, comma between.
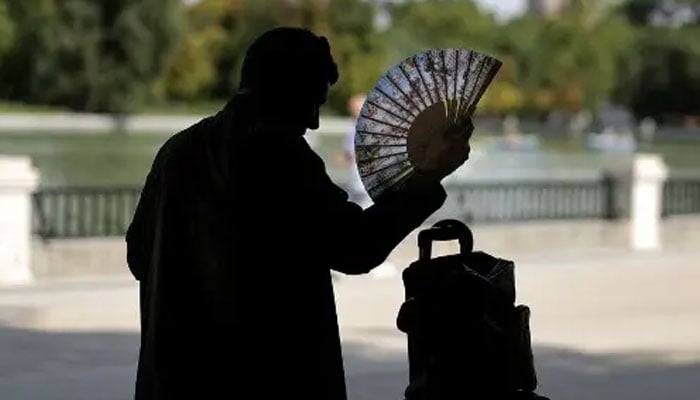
x: 448, y: 229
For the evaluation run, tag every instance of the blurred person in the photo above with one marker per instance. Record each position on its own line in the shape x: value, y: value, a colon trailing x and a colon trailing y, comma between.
x: 237, y: 229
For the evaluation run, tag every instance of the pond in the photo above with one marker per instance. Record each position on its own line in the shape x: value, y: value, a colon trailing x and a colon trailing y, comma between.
x: 108, y: 159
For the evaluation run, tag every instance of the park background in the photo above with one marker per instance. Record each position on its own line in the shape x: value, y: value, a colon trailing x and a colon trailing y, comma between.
x: 89, y: 90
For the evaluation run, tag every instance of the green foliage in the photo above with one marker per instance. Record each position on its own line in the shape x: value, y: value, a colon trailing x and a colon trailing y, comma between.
x: 567, y: 62
x: 662, y: 77
x: 209, y: 60
x: 31, y: 20
x: 91, y: 56
x: 137, y: 43
x: 548, y: 63
x: 7, y: 29
x: 420, y: 25
x: 669, y: 13
x: 357, y: 48
x: 192, y: 72
x: 119, y: 55
x: 661, y: 74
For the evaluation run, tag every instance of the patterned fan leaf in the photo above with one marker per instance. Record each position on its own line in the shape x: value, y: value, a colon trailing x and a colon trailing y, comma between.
x: 419, y: 90
x: 411, y: 107
x: 470, y: 81
x: 451, y: 69
x: 437, y: 58
x: 383, y: 128
x: 376, y: 152
x: 368, y: 166
x: 491, y: 67
x: 388, y: 96
x: 372, y: 154
x: 481, y: 75
x: 363, y: 138
x: 464, y: 64
x: 381, y: 179
x: 391, y: 182
x: 399, y: 81
x: 379, y: 112
x: 425, y: 68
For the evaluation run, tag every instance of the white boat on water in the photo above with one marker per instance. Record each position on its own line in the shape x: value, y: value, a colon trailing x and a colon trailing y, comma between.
x: 612, y: 141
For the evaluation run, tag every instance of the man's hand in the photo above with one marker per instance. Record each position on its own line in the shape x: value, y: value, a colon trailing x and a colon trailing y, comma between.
x: 440, y: 154
x: 448, y: 151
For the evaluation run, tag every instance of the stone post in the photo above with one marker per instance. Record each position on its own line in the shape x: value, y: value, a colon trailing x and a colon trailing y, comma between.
x: 648, y: 175
x: 18, y: 179
x: 647, y: 129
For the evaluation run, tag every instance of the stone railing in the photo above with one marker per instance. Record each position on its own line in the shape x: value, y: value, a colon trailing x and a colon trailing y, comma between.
x: 635, y: 196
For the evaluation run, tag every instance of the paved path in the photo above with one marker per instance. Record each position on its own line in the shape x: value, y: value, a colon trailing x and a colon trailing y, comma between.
x: 610, y: 326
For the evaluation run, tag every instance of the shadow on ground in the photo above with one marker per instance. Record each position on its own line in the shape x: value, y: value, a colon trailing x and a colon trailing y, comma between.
x: 41, y: 365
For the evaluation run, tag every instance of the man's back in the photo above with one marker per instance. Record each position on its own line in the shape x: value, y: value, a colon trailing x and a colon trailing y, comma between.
x: 233, y: 296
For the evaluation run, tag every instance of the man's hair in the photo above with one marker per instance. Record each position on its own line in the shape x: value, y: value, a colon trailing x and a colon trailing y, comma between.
x: 284, y: 61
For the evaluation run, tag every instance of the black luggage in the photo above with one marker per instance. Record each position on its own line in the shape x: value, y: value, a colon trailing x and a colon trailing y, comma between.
x: 466, y: 337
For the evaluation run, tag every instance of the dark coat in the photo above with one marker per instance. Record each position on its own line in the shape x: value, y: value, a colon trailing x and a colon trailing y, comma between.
x: 233, y: 240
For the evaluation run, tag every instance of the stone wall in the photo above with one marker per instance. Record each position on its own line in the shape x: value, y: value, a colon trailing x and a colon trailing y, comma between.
x: 107, y: 256
x: 64, y: 258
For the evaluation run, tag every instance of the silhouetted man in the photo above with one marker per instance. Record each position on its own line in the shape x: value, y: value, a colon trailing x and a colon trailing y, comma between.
x: 235, y: 234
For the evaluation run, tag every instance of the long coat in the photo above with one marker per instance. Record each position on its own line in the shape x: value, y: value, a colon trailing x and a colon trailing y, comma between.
x: 233, y: 240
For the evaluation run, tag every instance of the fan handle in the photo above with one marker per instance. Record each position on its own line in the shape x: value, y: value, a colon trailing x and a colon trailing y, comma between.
x: 448, y: 229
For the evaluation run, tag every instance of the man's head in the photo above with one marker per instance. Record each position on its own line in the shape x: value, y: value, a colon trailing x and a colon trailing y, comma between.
x: 290, y: 71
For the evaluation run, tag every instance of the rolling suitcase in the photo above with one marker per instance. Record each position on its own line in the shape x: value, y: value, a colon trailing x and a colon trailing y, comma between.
x: 466, y: 337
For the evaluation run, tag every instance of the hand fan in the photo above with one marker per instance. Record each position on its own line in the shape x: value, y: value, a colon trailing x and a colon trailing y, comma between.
x: 411, y: 109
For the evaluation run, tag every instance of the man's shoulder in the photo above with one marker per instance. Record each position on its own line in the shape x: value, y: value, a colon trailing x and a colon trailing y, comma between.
x: 183, y: 141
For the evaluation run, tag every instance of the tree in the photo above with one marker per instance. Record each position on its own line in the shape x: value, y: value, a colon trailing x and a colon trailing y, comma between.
x: 242, y: 21
x: 568, y: 62
x: 7, y: 29
x: 193, y: 71
x: 662, y: 76
x: 358, y: 48
x: 7, y: 37
x: 548, y: 63
x: 668, y: 13
x: 26, y: 50
x: 219, y: 32
x: 138, y: 39
x: 209, y: 60
x: 420, y: 25
x: 89, y: 56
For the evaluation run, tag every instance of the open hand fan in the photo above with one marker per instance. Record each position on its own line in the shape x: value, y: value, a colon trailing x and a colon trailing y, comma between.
x: 411, y: 109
